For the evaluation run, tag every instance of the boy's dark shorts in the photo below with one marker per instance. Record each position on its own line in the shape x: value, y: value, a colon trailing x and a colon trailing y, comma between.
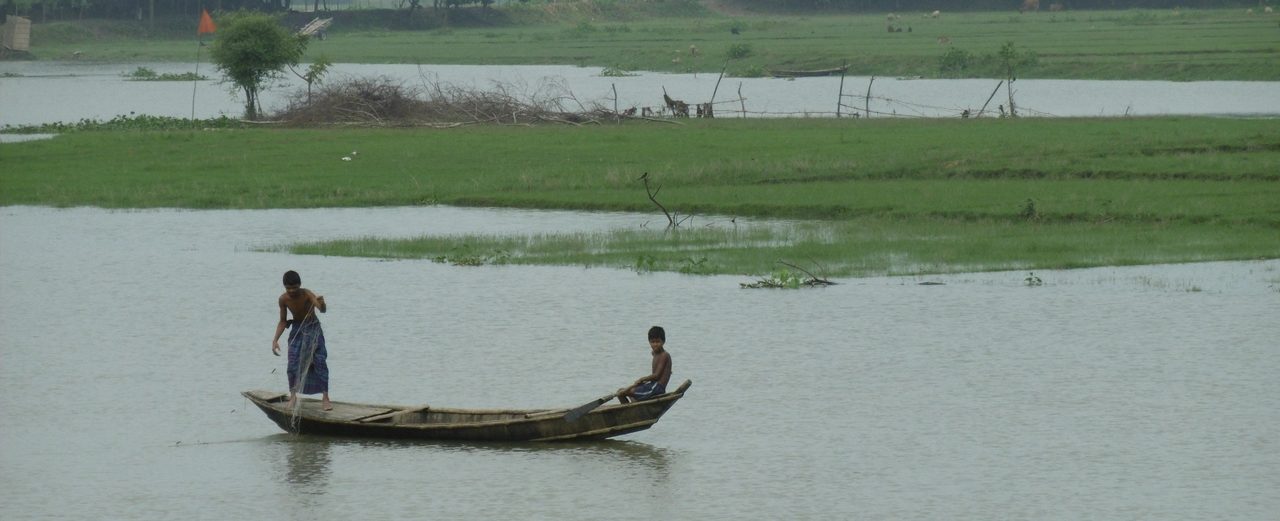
x: 649, y: 390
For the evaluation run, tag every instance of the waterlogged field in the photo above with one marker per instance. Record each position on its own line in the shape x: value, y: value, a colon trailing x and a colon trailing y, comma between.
x: 1132, y: 44
x: 874, y: 196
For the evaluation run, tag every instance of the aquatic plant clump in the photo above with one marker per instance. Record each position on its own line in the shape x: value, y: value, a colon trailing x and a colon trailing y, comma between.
x: 148, y: 74
x: 127, y: 122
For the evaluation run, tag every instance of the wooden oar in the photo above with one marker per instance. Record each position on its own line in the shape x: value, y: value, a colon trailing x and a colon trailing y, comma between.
x: 582, y: 410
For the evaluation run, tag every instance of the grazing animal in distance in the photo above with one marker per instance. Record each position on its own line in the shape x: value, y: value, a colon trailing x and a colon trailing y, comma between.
x: 1055, y: 7
x: 935, y: 14
x: 1029, y: 5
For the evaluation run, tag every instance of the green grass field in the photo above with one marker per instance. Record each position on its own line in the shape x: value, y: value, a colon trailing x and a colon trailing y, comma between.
x: 875, y: 196
x: 1131, y: 44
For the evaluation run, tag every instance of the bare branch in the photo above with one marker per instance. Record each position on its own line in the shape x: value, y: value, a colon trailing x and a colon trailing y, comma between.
x: 653, y: 196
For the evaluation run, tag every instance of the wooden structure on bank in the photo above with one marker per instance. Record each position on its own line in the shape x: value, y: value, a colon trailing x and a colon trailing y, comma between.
x: 316, y: 27
x: 17, y: 34
x: 438, y: 423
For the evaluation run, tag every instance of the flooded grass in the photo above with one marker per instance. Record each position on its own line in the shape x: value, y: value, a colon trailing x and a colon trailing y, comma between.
x: 884, y: 197
x: 862, y: 247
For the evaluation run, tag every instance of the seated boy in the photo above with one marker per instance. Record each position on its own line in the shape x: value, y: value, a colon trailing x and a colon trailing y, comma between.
x: 655, y: 383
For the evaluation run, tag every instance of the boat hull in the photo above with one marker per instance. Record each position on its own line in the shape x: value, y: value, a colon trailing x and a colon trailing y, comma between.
x: 809, y: 74
x: 431, y: 423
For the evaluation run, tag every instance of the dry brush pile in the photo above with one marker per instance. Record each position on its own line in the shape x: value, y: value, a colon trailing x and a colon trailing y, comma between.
x: 383, y: 101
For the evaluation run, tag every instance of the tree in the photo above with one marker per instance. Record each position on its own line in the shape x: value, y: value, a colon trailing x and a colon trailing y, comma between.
x: 315, y: 73
x: 252, y: 48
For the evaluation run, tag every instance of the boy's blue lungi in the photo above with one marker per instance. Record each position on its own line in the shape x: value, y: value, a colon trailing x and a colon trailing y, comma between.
x: 307, y: 357
x: 649, y: 390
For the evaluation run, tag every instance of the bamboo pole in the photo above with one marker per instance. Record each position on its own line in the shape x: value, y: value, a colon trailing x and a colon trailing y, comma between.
x: 840, y: 98
x: 195, y: 81
x: 717, y: 89
x: 868, y: 99
x: 989, y: 98
x: 742, y: 100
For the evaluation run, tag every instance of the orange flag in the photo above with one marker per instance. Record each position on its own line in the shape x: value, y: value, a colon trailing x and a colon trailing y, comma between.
x: 206, y: 23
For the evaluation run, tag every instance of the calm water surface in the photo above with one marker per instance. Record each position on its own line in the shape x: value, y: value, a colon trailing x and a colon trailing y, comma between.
x: 43, y: 92
x: 1115, y: 393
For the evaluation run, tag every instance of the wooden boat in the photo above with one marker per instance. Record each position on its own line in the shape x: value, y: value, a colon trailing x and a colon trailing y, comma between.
x: 438, y: 423
x: 804, y: 74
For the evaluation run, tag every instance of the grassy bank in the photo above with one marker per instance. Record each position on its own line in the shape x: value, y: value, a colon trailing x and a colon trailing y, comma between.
x: 1134, y: 44
x: 885, y: 195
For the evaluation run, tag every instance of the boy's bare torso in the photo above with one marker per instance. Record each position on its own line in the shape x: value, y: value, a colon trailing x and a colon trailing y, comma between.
x: 662, y: 366
x: 299, y: 302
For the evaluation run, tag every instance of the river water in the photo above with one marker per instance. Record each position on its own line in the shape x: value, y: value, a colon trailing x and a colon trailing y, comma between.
x: 1113, y: 393
x: 43, y: 92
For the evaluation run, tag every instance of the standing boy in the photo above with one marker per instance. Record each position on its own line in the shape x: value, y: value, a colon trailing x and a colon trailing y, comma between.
x: 306, y: 341
x: 654, y: 383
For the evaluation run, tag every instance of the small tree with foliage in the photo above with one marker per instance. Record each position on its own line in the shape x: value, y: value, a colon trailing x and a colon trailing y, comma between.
x: 252, y: 48
x: 315, y: 73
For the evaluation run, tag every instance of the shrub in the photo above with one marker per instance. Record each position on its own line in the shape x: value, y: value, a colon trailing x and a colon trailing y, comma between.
x: 955, y: 61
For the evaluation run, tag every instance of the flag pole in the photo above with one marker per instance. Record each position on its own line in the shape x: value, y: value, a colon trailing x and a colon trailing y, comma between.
x: 206, y: 25
x: 195, y: 81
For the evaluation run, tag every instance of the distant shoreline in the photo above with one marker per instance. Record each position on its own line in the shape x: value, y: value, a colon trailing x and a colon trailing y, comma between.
x: 1146, y: 44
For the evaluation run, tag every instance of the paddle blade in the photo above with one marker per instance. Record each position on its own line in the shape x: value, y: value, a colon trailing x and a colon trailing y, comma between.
x: 577, y: 412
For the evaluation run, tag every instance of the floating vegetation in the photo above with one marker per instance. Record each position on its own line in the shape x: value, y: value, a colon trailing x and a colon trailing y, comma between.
x: 787, y: 279
x: 128, y: 122
x: 616, y: 72
x: 146, y: 74
x: 781, y: 279
x: 474, y: 259
x: 1032, y: 280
